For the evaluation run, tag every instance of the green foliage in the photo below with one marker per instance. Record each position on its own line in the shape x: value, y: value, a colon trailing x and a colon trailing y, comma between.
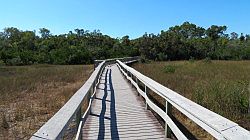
x: 181, y: 42
x: 207, y: 60
x: 2, y: 63
x: 243, y: 104
x: 191, y: 60
x: 162, y: 56
x: 169, y: 69
x: 14, y: 61
x: 232, y: 97
x: 82, y: 47
x: 143, y: 59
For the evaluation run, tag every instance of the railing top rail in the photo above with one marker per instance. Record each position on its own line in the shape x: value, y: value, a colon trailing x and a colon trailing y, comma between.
x: 53, y: 128
x: 218, y: 126
x: 114, y: 59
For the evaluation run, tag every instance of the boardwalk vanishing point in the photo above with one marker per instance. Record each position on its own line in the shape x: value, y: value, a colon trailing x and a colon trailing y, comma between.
x: 119, y: 108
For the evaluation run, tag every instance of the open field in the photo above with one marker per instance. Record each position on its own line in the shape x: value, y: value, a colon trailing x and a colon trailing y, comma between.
x: 30, y: 95
x: 221, y: 86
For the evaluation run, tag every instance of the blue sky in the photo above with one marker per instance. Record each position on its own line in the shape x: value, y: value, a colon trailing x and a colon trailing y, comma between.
x: 123, y: 17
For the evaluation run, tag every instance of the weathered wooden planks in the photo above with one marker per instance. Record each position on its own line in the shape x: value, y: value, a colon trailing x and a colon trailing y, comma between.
x: 118, y: 112
x: 216, y: 125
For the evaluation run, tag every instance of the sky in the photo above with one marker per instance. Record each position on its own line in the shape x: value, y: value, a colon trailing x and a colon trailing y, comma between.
x: 118, y: 18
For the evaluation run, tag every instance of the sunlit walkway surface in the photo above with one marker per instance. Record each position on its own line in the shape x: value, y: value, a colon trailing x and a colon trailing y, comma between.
x: 118, y: 113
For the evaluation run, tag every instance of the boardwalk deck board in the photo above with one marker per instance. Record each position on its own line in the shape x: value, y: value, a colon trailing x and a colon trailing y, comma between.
x: 118, y: 112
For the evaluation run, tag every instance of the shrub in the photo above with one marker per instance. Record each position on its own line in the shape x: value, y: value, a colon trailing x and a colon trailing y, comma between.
x: 143, y: 59
x: 2, y: 63
x: 162, y: 57
x: 207, y: 60
x: 169, y: 69
x: 14, y: 61
x: 191, y: 59
x: 243, y: 104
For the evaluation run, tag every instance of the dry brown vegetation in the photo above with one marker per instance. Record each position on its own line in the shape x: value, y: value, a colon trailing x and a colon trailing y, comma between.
x: 221, y: 86
x: 30, y: 95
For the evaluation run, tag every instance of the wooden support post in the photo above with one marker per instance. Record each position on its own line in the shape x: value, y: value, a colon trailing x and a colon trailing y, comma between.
x: 78, y: 116
x: 137, y: 83
x: 89, y: 98
x: 169, y: 113
x: 78, y: 120
x: 146, y: 92
x: 93, y: 87
x: 94, y: 64
x: 131, y: 76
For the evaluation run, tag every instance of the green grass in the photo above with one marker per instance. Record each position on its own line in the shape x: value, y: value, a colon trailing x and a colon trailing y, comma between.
x: 30, y: 95
x: 221, y: 86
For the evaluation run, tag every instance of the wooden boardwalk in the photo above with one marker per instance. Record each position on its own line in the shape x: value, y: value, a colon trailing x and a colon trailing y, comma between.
x: 118, y: 112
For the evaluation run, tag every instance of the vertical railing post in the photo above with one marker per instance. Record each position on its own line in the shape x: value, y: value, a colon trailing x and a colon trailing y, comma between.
x: 78, y: 117
x: 131, y: 76
x: 137, y: 83
x: 93, y: 87
x: 169, y: 113
x: 90, y: 95
x: 94, y: 64
x: 146, y: 96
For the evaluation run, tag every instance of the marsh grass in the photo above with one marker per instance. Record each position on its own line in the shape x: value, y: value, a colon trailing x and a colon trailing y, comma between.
x: 221, y: 86
x: 30, y: 95
x: 169, y: 69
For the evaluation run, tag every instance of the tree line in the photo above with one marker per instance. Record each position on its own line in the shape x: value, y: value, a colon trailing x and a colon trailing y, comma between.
x: 182, y: 42
x: 189, y: 41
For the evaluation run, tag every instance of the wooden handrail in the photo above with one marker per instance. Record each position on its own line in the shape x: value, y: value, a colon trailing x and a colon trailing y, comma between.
x: 113, y: 60
x: 218, y: 126
x: 56, y: 126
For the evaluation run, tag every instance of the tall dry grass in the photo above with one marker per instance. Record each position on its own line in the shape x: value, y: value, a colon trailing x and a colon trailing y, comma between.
x: 30, y: 95
x: 221, y: 86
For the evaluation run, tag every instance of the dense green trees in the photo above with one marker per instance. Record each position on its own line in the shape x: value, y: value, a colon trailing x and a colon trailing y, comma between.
x: 80, y: 47
x: 187, y: 41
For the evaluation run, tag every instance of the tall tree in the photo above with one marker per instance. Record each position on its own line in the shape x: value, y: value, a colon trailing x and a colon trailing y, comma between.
x: 45, y: 33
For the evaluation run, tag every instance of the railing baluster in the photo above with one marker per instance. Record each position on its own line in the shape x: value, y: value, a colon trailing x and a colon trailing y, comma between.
x: 78, y: 120
x: 89, y: 100
x: 131, y: 76
x: 146, y: 92
x: 137, y: 83
x: 169, y: 113
x: 78, y: 116
x: 94, y: 84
